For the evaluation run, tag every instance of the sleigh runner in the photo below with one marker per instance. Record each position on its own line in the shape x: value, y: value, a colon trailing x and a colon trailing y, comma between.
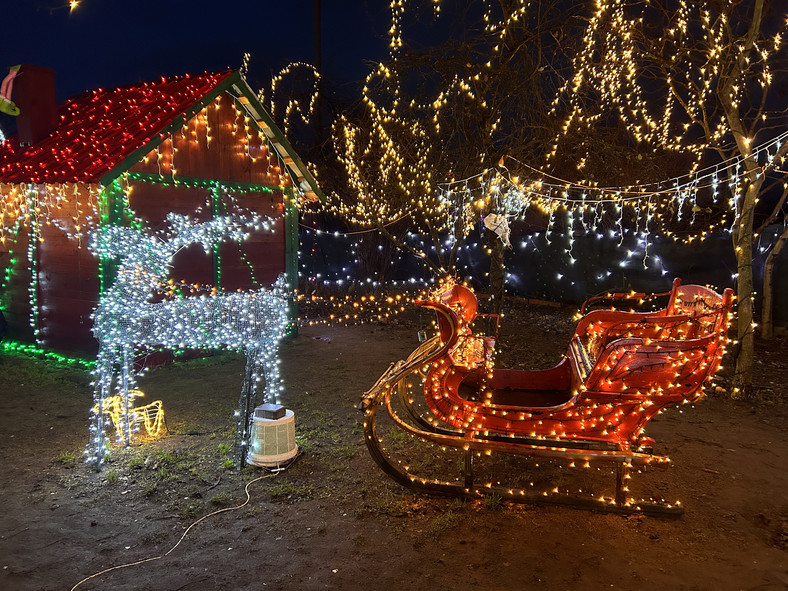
x: 620, y: 370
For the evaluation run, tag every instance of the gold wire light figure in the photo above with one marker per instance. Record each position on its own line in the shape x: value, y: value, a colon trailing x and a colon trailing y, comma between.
x: 150, y: 416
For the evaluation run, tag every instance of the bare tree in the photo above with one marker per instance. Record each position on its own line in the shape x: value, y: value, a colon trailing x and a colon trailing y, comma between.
x: 462, y: 87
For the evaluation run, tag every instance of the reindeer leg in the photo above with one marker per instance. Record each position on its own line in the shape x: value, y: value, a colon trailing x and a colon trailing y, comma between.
x: 126, y: 383
x: 245, y: 405
x: 271, y: 372
x: 102, y: 390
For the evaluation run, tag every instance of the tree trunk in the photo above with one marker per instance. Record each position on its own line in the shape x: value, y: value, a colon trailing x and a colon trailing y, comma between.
x: 497, y: 269
x: 767, y: 320
x: 743, y: 237
x: 745, y: 360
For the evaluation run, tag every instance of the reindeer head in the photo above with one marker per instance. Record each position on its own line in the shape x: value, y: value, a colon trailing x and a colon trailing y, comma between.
x: 136, y: 250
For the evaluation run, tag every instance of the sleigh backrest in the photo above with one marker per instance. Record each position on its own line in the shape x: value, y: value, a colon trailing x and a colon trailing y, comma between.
x: 670, y: 355
x: 695, y: 317
x: 707, y: 309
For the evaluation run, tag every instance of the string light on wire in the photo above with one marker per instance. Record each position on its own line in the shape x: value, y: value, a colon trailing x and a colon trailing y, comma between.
x: 682, y: 208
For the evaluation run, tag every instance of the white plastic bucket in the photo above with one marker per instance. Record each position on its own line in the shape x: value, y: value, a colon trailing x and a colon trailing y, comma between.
x: 272, y: 441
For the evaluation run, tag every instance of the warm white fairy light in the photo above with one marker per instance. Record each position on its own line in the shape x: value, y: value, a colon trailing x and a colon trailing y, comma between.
x: 74, y: 208
x: 124, y: 319
x: 406, y: 142
x: 698, y: 47
x: 33, y: 237
x: 391, y: 157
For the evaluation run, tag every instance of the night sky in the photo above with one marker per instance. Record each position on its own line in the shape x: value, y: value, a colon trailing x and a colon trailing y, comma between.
x: 106, y: 43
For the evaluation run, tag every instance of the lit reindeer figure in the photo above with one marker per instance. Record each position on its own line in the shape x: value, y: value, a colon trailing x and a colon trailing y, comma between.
x: 124, y: 318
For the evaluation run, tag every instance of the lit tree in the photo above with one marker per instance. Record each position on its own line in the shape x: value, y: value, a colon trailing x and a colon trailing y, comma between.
x: 695, y: 78
x: 443, y: 112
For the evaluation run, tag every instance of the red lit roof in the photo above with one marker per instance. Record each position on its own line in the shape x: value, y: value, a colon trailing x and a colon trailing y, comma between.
x: 100, y: 129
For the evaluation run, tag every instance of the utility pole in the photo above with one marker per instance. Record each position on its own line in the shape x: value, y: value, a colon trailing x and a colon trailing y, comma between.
x: 318, y: 121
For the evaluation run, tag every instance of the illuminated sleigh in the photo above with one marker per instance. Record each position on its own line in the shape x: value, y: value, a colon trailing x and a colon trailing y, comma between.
x: 620, y: 370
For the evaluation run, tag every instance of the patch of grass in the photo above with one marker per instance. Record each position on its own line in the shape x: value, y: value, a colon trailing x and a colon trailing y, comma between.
x: 136, y: 461
x: 164, y: 456
x: 221, y: 500
x: 319, y: 417
x: 284, y: 490
x: 185, y: 464
x: 228, y: 464
x: 41, y: 373
x: 252, y: 511
x: 186, y: 428
x: 188, y: 510
x: 67, y: 458
x: 390, y: 504
x: 398, y: 438
x: 228, y: 431
x: 224, y: 448
x: 150, y: 489
x: 112, y: 475
x: 199, y: 474
x: 316, y: 433
x: 347, y: 450
x: 442, y: 523
x: 493, y: 501
x: 164, y: 474
x: 305, y: 445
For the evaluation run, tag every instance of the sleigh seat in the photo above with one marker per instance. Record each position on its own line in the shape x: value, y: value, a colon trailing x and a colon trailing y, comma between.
x: 638, y: 362
x: 692, y: 312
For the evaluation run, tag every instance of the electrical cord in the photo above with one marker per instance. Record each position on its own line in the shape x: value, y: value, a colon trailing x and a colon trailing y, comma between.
x: 246, y: 502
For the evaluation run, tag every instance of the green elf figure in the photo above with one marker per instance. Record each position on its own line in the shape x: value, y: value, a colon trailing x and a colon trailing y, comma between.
x: 6, y: 104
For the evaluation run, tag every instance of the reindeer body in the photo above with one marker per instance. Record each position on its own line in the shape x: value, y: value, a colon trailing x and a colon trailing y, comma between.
x: 125, y: 318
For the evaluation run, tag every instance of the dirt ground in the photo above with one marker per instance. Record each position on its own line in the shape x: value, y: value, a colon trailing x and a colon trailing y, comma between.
x: 334, y: 520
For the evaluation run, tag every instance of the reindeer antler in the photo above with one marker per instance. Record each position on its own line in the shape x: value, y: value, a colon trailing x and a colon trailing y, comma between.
x: 210, y: 233
x: 123, y: 242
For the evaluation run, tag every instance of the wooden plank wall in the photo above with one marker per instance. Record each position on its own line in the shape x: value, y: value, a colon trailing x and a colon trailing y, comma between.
x: 68, y: 288
x: 256, y: 262
x: 153, y: 202
x: 15, y: 299
x: 236, y: 151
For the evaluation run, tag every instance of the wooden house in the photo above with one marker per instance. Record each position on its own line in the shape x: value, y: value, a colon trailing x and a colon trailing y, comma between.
x: 199, y: 145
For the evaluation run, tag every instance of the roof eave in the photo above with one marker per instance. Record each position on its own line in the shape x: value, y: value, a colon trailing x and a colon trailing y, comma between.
x: 296, y: 168
x: 236, y: 86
